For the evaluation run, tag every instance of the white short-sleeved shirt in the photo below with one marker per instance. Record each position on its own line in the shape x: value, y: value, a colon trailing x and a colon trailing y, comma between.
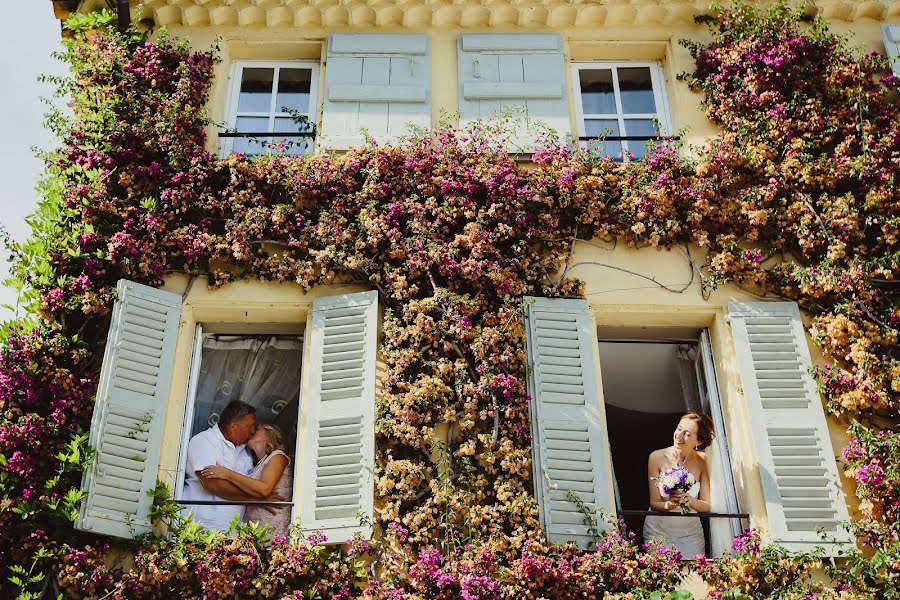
x: 211, y: 448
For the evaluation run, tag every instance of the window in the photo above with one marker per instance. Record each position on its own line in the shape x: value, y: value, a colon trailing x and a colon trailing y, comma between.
x: 651, y: 376
x: 333, y: 416
x: 272, y: 107
x: 262, y: 371
x: 576, y: 428
x: 623, y: 103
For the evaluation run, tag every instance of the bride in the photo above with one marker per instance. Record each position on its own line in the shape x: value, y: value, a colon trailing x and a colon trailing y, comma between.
x: 693, y: 434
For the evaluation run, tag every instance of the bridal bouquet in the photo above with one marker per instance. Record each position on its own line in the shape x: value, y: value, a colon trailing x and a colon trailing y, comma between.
x: 676, y: 479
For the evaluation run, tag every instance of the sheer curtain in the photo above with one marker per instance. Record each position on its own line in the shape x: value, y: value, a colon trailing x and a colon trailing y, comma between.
x: 685, y: 358
x: 263, y: 372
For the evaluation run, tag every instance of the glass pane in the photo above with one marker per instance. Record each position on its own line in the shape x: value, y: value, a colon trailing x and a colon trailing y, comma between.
x: 293, y: 90
x: 256, y: 90
x: 600, y: 128
x: 292, y: 146
x: 290, y: 124
x: 636, y: 88
x: 251, y: 125
x: 249, y: 146
x: 597, y: 94
x: 644, y: 127
x: 641, y: 127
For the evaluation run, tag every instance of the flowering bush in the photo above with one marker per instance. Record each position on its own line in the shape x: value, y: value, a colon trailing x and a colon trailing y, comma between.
x: 761, y: 571
x: 796, y: 197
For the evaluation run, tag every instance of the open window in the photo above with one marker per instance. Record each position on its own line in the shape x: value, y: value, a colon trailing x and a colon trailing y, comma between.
x: 261, y: 369
x: 651, y: 376
x: 621, y: 106
x: 272, y: 108
x: 592, y: 433
x: 316, y: 380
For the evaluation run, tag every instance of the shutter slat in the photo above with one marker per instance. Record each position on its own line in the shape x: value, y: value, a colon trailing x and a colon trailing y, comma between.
x: 127, y: 425
x: 799, y: 475
x: 569, y: 454
x: 338, y: 432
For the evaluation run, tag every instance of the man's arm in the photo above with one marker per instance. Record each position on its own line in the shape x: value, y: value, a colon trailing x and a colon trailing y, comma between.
x: 221, y: 488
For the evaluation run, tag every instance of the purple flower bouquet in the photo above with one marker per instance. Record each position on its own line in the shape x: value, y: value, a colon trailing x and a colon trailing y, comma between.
x: 675, y: 479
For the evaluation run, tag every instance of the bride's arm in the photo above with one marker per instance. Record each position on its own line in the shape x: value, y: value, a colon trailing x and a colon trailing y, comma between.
x: 656, y: 501
x: 254, y: 488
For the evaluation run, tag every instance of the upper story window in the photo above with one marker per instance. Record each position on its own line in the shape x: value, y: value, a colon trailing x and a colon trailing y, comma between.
x: 272, y: 106
x: 623, y: 103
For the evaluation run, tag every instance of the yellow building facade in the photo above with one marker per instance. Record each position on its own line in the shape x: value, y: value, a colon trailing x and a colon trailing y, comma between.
x: 445, y: 61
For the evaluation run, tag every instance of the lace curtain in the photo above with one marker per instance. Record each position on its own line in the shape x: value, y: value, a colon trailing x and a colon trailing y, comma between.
x: 263, y: 372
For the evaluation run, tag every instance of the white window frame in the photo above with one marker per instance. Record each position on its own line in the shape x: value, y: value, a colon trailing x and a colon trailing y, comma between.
x: 659, y: 97
x: 234, y: 90
x: 193, y: 382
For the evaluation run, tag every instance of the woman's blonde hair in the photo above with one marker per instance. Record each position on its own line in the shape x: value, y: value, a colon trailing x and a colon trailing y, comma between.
x: 274, y: 437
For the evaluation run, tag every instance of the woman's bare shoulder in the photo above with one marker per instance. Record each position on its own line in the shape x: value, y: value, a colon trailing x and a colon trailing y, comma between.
x: 657, y: 456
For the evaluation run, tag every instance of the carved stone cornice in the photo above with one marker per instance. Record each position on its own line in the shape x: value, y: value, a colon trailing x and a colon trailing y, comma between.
x: 419, y: 14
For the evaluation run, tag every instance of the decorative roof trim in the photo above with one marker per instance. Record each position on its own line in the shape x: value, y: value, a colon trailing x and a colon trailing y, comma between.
x: 474, y: 14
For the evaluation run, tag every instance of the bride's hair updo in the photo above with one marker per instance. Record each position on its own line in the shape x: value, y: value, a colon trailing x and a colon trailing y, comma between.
x: 705, y: 431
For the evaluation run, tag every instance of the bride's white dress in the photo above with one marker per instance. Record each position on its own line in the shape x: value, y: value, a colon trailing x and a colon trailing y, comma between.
x: 685, y: 534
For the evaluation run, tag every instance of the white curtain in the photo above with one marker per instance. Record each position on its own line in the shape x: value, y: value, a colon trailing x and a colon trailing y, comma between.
x: 685, y: 357
x: 263, y: 372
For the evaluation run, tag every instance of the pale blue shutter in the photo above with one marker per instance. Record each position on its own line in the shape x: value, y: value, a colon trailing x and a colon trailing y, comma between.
x: 127, y: 426
x: 520, y: 73
x: 891, y: 34
x: 570, y: 447
x: 376, y: 82
x: 337, y: 422
x: 793, y: 449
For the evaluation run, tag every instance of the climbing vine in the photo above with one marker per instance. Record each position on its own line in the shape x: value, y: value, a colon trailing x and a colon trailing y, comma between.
x: 796, y: 198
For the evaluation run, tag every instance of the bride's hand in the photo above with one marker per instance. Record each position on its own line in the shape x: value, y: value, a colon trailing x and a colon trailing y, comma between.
x: 215, y: 472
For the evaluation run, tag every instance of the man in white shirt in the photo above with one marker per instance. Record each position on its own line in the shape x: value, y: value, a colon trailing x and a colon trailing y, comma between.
x: 222, y: 444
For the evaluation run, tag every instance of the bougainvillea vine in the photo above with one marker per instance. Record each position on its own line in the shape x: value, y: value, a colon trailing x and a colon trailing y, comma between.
x: 795, y: 198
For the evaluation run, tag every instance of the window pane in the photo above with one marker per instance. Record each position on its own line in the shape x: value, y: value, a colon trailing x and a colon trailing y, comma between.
x: 291, y: 124
x: 641, y: 127
x: 293, y: 90
x: 292, y: 145
x: 600, y: 128
x: 597, y: 94
x: 645, y: 127
x: 636, y: 88
x: 249, y: 146
x: 250, y: 125
x: 256, y: 90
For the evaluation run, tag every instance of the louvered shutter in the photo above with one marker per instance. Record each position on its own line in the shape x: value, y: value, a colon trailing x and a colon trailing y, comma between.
x: 127, y: 426
x: 891, y: 34
x: 338, y: 430
x: 514, y: 72
x: 376, y: 82
x: 570, y: 448
x: 796, y: 460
